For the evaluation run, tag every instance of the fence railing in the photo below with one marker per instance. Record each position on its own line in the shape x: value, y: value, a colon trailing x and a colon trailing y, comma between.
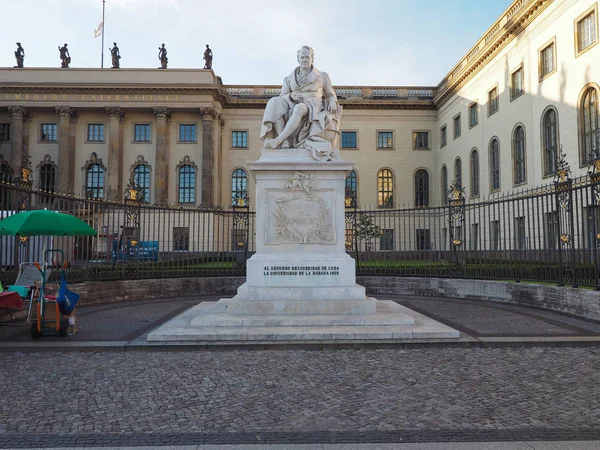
x: 549, y: 234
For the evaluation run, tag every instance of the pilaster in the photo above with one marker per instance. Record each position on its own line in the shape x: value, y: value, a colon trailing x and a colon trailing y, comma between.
x: 16, y: 135
x: 209, y: 115
x: 64, y: 158
x: 161, y: 180
x: 114, y: 183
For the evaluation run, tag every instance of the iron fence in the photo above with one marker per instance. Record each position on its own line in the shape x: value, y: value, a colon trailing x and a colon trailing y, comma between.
x: 547, y: 234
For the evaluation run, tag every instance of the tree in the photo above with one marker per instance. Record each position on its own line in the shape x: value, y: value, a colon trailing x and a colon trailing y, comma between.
x: 364, y: 228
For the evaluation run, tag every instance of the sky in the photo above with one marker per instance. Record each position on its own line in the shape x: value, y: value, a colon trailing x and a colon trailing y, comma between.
x: 358, y: 42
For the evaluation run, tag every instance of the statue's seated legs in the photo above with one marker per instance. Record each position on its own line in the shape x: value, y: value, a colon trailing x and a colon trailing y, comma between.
x: 285, y: 130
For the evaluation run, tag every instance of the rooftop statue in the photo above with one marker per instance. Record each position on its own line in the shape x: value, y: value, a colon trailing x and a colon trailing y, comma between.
x: 65, y: 58
x: 162, y: 55
x: 116, y: 56
x: 306, y: 114
x: 208, y: 55
x: 20, y: 55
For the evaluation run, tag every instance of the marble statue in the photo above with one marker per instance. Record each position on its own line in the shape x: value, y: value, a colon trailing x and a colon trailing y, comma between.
x: 65, y: 58
x: 162, y: 55
x: 306, y: 114
x: 208, y: 55
x: 20, y: 55
x: 116, y: 56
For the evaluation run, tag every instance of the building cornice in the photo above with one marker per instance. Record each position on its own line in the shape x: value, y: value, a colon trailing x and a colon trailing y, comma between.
x: 515, y: 19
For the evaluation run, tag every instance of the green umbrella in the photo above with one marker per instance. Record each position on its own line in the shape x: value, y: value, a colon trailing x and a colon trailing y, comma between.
x: 42, y: 222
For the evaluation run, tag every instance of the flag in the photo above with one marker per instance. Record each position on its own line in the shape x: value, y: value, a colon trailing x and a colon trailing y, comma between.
x: 98, y: 31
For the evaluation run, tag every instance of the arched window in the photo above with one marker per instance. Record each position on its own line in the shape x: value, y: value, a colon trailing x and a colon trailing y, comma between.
x: 550, y: 141
x: 141, y: 178
x: 239, y: 187
x: 187, y: 184
x: 47, y: 178
x: 474, y: 173
x: 421, y: 188
x: 444, y: 185
x: 589, y: 111
x: 351, y: 191
x: 94, y: 186
x: 385, y: 189
x: 458, y: 172
x: 494, y: 164
x: 519, y: 170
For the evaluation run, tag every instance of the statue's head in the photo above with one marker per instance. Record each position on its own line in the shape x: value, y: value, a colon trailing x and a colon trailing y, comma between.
x: 65, y: 44
x: 305, y: 56
x: 115, y: 44
x: 19, y: 44
x: 206, y: 45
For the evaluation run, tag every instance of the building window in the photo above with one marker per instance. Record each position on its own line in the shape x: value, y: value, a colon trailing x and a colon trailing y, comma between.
x: 386, y: 240
x: 239, y: 187
x: 351, y: 190
x: 520, y: 233
x: 458, y: 172
x: 474, y: 173
x: 239, y: 139
x: 550, y: 130
x: 473, y: 114
x: 95, y: 132
x: 589, y: 114
x: 48, y: 132
x: 4, y: 132
x: 457, y: 126
x: 94, y: 185
x: 423, y: 238
x: 443, y: 137
x: 495, y: 235
x: 552, y: 230
x: 187, y: 184
x: 141, y: 132
x: 519, y: 170
x: 547, y: 61
x: 494, y: 164
x: 187, y: 132
x: 181, y: 239
x: 385, y: 139
x: 493, y: 103
x: 586, y: 32
x: 516, y: 83
x: 444, y: 185
x: 421, y: 188
x: 385, y: 189
x: 349, y: 139
x: 141, y: 178
x: 421, y: 140
x: 47, y: 178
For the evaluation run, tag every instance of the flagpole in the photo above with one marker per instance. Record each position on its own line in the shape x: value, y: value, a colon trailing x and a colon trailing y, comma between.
x: 102, y: 60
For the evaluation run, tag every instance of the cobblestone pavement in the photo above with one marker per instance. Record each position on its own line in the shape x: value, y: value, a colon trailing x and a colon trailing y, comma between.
x: 296, y: 396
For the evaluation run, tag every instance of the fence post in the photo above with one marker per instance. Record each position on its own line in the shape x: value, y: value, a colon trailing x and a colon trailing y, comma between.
x: 594, y: 234
x: 563, y: 188
x: 134, y: 195
x: 456, y: 219
x: 241, y: 222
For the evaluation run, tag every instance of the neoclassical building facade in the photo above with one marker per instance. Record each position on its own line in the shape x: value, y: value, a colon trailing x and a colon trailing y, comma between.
x: 495, y: 123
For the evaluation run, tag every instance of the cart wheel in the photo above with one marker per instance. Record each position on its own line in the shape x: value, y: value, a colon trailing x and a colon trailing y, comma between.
x: 34, y: 331
x: 64, y: 324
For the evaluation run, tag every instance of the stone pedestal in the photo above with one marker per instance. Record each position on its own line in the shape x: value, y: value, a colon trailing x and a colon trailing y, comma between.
x: 301, y: 284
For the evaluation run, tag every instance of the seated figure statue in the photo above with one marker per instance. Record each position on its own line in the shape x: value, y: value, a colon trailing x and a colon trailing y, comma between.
x: 306, y: 114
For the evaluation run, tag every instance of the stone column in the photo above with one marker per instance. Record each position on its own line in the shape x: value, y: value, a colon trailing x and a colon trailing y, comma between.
x: 161, y: 173
x: 64, y: 158
x: 220, y: 174
x: 208, y: 166
x: 16, y: 136
x: 72, y: 147
x: 114, y: 180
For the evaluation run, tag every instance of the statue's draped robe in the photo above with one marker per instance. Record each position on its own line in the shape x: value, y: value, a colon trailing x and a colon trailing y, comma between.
x: 314, y: 89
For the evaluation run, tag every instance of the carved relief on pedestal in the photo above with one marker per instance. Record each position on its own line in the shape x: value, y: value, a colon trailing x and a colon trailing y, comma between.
x: 300, y: 214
